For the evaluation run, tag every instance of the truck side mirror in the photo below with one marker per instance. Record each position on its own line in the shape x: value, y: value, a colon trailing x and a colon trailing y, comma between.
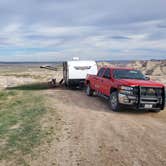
x: 147, y: 78
x: 107, y: 77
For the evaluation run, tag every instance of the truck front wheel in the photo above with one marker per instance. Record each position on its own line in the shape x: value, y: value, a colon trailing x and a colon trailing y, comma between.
x: 89, y: 91
x: 114, y: 102
x: 155, y: 111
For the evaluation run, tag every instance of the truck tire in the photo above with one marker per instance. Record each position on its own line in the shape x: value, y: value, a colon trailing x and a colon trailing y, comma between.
x: 89, y: 91
x: 113, y: 102
x: 155, y: 111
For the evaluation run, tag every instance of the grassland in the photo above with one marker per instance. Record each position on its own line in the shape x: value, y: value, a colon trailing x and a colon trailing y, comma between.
x: 20, y: 129
x: 28, y: 121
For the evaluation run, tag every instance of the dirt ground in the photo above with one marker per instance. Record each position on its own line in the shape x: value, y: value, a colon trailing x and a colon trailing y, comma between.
x: 93, y: 135
x: 87, y: 133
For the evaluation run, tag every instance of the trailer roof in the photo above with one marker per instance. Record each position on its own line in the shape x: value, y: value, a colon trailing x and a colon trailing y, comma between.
x: 82, y: 62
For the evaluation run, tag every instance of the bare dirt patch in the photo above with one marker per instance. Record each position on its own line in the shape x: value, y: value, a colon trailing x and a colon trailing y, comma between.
x: 91, y: 134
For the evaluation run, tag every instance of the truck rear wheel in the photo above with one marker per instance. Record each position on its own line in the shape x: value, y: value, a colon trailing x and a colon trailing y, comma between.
x: 89, y: 91
x: 114, y: 102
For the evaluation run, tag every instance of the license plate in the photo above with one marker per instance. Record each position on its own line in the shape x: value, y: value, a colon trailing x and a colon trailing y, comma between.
x: 148, y: 106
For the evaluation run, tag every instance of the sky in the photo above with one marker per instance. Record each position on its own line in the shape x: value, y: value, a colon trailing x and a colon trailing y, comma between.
x: 57, y: 30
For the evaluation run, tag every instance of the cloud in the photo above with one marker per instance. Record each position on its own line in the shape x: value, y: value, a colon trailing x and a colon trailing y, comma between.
x: 120, y: 37
x: 60, y: 29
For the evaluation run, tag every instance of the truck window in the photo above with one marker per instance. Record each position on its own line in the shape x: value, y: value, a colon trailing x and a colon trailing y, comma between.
x: 107, y: 74
x: 100, y: 72
x: 128, y: 74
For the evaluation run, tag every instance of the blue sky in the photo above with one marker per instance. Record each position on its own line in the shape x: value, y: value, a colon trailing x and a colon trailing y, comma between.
x: 52, y: 30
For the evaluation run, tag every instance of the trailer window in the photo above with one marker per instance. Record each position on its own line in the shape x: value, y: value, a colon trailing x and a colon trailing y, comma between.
x: 100, y: 73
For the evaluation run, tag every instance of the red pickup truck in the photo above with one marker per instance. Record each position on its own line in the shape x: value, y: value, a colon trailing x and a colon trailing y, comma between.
x: 126, y: 87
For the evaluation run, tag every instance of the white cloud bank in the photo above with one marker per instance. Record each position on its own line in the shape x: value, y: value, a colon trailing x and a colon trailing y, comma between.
x: 58, y: 30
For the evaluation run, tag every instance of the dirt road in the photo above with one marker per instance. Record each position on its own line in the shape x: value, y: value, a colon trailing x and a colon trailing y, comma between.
x: 92, y: 135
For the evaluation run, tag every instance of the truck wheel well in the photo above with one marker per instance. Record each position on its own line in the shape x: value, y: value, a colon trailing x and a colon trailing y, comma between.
x: 113, y: 90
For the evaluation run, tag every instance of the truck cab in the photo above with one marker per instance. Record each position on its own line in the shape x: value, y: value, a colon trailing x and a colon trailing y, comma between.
x: 126, y: 87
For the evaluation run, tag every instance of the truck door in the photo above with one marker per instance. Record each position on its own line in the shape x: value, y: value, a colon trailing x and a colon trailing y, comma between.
x: 106, y: 82
x: 98, y: 79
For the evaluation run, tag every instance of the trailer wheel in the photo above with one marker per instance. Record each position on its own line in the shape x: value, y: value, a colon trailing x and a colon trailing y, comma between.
x: 114, y: 102
x: 89, y: 91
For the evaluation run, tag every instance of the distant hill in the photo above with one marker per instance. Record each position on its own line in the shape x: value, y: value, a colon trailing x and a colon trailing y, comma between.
x: 152, y: 67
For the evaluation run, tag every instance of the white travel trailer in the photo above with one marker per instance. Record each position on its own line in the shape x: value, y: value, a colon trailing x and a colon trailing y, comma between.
x: 75, y: 71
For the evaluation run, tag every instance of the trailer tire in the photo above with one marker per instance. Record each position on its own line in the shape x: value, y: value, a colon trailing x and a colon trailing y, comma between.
x: 89, y: 91
x: 114, y: 102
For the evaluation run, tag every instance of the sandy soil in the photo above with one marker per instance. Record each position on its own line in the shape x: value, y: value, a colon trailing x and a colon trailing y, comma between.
x: 94, y: 135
